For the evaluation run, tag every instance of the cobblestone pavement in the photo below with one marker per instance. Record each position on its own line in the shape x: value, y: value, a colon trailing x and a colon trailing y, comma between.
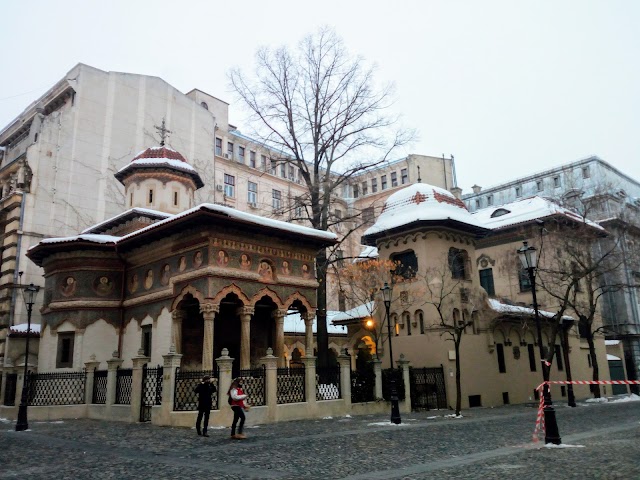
x: 486, y: 443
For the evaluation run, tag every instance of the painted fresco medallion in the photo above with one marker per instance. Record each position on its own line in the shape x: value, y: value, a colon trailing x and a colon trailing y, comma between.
x: 133, y: 283
x: 222, y: 258
x: 197, y: 259
x: 245, y: 262
x: 103, y: 286
x: 265, y: 270
x: 164, y: 274
x: 68, y: 286
x: 148, y: 279
x: 285, y: 269
x: 182, y: 264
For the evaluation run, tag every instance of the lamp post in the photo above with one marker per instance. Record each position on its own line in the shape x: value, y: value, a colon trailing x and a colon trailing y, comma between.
x: 529, y: 258
x: 29, y: 293
x: 395, y: 410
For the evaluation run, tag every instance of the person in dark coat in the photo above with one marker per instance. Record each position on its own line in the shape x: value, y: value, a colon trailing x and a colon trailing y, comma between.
x: 205, y: 391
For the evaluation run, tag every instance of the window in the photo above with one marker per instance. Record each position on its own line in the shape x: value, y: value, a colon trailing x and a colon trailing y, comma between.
x: 407, y: 264
x: 477, y: 203
x: 558, y: 353
x: 263, y: 162
x: 276, y: 199
x: 420, y: 317
x: 394, y: 179
x: 204, y: 105
x: 532, y: 357
x: 146, y: 340
x: 556, y: 181
x: 539, y: 185
x: 175, y: 199
x: 283, y: 170
x: 523, y: 278
x: 252, y: 193
x: 298, y: 207
x: 489, y: 200
x: 364, y: 188
x: 396, y: 325
x: 383, y: 182
x: 229, y: 185
x: 367, y: 215
x: 486, y: 280
x: 229, y: 150
x: 518, y: 191
x: 150, y: 196
x: 585, y: 172
x: 339, y: 258
x: 356, y: 191
x: 218, y: 146
x: 458, y: 263
x: 274, y: 167
x: 374, y: 185
x: 291, y: 174
x: 505, y: 398
x: 241, y: 154
x: 404, y: 174
x: 502, y: 368
x: 252, y: 159
x: 407, y: 320
x: 65, y: 350
x: 475, y: 401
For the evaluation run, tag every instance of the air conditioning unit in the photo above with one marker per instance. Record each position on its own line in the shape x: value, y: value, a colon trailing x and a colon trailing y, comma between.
x: 227, y: 155
x: 253, y: 205
x: 219, y: 188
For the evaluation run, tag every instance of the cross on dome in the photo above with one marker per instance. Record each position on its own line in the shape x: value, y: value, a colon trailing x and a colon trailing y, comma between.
x: 163, y: 131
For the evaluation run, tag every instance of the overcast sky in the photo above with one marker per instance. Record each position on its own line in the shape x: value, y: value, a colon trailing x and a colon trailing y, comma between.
x: 507, y: 87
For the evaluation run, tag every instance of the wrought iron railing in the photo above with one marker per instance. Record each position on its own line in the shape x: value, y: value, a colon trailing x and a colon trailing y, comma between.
x: 427, y: 388
x: 151, y: 391
x: 185, y: 399
x: 124, y: 378
x: 56, y: 388
x: 363, y: 385
x: 99, y: 394
x: 10, y: 389
x: 328, y: 383
x: 291, y: 385
x: 254, y: 385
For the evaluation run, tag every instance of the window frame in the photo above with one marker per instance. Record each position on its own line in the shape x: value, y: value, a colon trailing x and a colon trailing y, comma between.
x: 229, y: 185
x: 252, y: 192
x: 62, y: 337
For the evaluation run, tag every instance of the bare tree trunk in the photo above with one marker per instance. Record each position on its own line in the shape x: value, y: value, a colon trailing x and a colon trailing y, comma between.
x: 458, y: 384
x: 594, y: 363
x: 322, y: 336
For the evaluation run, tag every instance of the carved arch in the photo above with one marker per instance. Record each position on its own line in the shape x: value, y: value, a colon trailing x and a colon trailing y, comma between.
x: 233, y: 288
x: 266, y: 292
x: 189, y: 289
x: 298, y: 296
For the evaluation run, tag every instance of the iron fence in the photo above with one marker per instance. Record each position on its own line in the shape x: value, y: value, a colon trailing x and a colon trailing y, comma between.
x: 291, y: 385
x: 328, y: 383
x: 363, y: 385
x: 387, y: 375
x: 124, y: 378
x: 10, y: 389
x: 185, y: 399
x: 56, y: 388
x: 151, y: 391
x: 254, y: 385
x: 99, y: 394
x: 427, y: 388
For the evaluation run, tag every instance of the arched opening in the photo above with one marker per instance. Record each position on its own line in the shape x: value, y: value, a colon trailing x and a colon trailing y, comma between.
x: 263, y: 329
x: 192, y: 332
x: 226, y: 333
x: 296, y: 359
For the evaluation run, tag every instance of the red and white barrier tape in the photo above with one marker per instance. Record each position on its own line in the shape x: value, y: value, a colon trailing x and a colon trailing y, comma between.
x: 540, y: 425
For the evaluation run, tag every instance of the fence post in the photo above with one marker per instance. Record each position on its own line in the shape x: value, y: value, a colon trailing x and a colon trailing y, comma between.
x: 345, y: 379
x: 377, y: 369
x: 90, y: 367
x: 19, y: 386
x: 112, y: 371
x: 225, y: 364
x: 136, y: 384
x: 404, y: 365
x: 171, y: 362
x: 270, y: 363
x: 310, y: 381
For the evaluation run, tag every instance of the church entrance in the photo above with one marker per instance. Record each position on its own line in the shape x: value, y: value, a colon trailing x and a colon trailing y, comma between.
x: 263, y: 330
x: 226, y: 330
x: 192, y: 333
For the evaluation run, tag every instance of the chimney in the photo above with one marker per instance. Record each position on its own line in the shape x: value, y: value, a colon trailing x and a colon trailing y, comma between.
x: 476, y: 188
x: 457, y: 192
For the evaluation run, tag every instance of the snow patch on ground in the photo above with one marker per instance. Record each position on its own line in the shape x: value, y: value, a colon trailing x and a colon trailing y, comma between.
x: 631, y: 398
x: 347, y: 416
x: 453, y: 415
x: 562, y: 445
x: 385, y: 424
x: 55, y: 421
x: 432, y: 418
x: 5, y: 420
x: 596, y: 400
x: 327, y: 418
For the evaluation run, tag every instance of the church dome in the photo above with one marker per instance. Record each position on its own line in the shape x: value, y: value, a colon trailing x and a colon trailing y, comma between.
x: 421, y: 204
x: 161, y: 152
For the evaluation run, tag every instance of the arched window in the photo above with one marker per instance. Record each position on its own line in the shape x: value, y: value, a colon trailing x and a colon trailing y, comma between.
x: 456, y: 316
x: 407, y: 320
x: 407, y: 264
x: 395, y: 324
x: 459, y: 263
x: 474, y: 319
x: 204, y: 105
x: 419, y: 316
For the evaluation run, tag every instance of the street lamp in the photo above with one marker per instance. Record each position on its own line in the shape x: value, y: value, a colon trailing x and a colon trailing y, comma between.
x: 395, y: 410
x: 529, y: 258
x: 29, y: 293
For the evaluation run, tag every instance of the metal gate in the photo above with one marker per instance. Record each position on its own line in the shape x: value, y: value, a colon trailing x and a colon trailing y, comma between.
x: 10, y: 389
x: 617, y: 373
x: 151, y: 391
x: 427, y: 388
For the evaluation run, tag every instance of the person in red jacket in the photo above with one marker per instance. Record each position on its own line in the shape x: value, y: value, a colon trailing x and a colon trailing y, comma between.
x: 236, y: 400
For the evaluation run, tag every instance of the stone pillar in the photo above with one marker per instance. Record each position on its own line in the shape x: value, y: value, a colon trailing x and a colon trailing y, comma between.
x: 171, y: 362
x: 245, y: 314
x: 78, y: 346
x: 345, y: 379
x: 112, y: 370
x: 278, y: 316
x: 271, y: 384
x: 308, y: 332
x: 404, y: 365
x: 90, y: 367
x: 176, y: 329
x: 208, y: 311
x: 136, y: 384
x: 377, y: 369
x: 224, y: 362
x: 354, y: 357
x: 310, y: 381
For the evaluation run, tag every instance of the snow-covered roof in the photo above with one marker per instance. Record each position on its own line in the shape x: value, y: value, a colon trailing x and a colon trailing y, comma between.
x: 500, y: 307
x: 177, y: 164
x: 131, y: 211
x: 612, y: 342
x: 293, y: 323
x: 525, y: 210
x: 418, y: 203
x: 367, y: 253
x: 22, y: 328
x: 356, y: 313
x: 612, y: 357
x: 88, y: 237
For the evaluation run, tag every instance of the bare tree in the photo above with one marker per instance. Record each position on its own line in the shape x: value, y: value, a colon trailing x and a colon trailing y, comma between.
x: 319, y: 107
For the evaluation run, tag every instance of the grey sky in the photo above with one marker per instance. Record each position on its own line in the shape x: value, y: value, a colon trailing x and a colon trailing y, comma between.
x: 507, y: 87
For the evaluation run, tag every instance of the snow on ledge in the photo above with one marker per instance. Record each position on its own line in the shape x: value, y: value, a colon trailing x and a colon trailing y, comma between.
x: 500, y: 307
x: 22, y: 328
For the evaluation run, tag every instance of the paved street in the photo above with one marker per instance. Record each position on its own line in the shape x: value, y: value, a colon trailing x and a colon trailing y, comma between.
x: 486, y: 443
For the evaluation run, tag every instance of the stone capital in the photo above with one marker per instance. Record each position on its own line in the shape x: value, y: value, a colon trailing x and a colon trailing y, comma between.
x: 245, y: 311
x: 209, y: 308
x: 279, y: 313
x: 177, y: 315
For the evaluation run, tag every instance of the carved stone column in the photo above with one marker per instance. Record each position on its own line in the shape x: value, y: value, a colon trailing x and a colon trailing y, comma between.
x: 245, y: 314
x: 279, y: 315
x: 176, y: 329
x: 208, y: 311
x: 308, y: 332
